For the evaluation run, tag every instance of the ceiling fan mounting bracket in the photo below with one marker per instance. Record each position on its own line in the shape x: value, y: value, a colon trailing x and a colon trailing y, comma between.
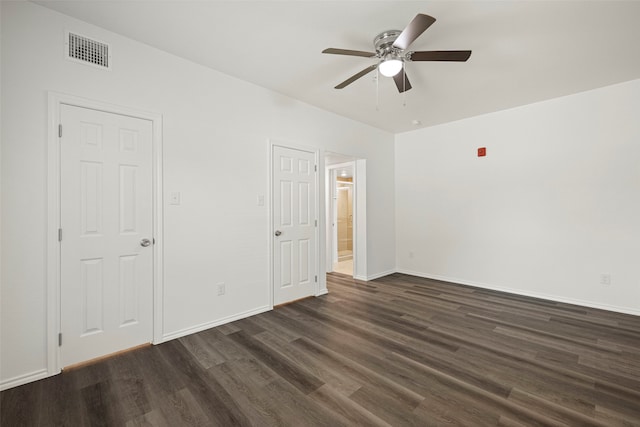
x: 383, y: 42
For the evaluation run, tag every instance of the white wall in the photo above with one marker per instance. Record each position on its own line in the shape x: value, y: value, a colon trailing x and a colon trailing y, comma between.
x: 553, y: 205
x: 215, y: 152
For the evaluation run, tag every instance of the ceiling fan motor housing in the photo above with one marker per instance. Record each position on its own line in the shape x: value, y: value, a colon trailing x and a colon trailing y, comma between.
x: 383, y: 42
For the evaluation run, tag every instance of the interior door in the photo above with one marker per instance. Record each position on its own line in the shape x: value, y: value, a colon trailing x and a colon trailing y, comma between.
x: 294, y: 224
x: 106, y: 186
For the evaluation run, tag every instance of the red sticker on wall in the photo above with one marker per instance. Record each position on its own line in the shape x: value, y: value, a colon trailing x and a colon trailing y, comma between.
x: 482, y: 151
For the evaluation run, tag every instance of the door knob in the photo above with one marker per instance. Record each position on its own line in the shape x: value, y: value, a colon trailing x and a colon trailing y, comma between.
x: 145, y: 242
x: 278, y: 232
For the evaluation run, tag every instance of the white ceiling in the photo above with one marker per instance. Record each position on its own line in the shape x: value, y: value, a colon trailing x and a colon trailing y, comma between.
x: 523, y: 51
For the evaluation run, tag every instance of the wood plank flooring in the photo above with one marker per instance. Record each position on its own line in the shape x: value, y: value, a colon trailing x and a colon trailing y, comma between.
x: 400, y: 351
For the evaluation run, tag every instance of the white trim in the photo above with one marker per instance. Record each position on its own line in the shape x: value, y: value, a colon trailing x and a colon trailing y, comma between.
x: 322, y: 292
x: 379, y: 275
x: 270, y: 145
x: 360, y: 264
x: 328, y: 220
x: 24, y: 379
x: 55, y: 100
x: 321, y: 197
x: 208, y: 325
x: 539, y: 295
x: 270, y: 230
x: 158, y: 230
x: 52, y: 245
x: 316, y: 152
x: 270, y: 221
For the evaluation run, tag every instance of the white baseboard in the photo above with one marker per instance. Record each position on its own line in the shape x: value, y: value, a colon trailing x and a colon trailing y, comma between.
x: 321, y: 292
x: 555, y: 298
x: 374, y: 276
x: 24, y: 379
x: 379, y: 275
x: 208, y: 325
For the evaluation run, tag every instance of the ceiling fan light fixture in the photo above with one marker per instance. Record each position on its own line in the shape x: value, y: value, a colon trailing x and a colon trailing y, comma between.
x: 390, y: 66
x: 391, y: 50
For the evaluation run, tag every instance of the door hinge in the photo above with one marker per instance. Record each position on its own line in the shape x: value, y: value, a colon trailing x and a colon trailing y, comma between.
x: 316, y: 279
x: 59, y: 234
x: 316, y: 222
x: 315, y: 168
x: 60, y: 131
x: 60, y: 339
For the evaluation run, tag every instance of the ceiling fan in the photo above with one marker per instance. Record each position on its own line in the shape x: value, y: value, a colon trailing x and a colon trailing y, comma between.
x: 391, y: 49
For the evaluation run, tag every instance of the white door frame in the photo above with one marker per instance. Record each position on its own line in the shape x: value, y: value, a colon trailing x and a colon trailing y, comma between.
x: 316, y: 152
x: 332, y: 211
x: 55, y: 101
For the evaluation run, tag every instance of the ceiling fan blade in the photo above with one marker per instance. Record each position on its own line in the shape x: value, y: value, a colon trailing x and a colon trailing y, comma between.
x: 349, y: 52
x: 440, y: 55
x: 402, y: 81
x: 357, y: 76
x: 416, y: 27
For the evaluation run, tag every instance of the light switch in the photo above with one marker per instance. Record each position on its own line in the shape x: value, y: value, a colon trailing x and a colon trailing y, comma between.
x: 174, y: 198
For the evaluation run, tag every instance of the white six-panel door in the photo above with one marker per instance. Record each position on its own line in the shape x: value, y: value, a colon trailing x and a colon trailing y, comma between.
x: 106, y: 215
x: 294, y: 224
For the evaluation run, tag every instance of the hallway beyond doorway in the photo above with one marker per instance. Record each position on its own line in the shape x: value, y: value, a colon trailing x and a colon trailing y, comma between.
x: 344, y: 267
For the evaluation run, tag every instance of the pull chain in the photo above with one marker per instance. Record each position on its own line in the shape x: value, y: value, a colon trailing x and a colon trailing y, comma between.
x: 377, y: 89
x: 404, y: 86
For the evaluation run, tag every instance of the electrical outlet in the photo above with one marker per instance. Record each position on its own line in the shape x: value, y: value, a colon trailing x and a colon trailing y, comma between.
x: 221, y: 289
x: 605, y: 279
x: 174, y: 198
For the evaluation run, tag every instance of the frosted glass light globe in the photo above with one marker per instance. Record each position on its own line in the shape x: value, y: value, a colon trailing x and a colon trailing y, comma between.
x: 390, y: 67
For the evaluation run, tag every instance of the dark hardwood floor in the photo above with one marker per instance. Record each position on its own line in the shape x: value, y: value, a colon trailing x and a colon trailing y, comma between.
x: 396, y: 351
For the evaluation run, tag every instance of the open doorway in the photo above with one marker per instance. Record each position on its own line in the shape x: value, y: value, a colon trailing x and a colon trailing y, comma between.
x: 343, y: 221
x: 341, y: 215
